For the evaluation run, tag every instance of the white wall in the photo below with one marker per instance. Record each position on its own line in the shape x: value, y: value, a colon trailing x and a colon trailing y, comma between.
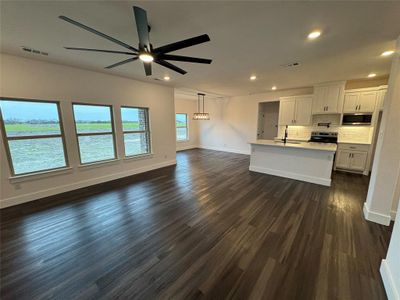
x: 25, y: 78
x: 384, y: 176
x: 189, y: 107
x: 234, y: 120
x: 390, y: 267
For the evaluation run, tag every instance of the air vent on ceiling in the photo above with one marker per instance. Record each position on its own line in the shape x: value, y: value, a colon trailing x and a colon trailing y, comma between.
x: 294, y: 64
x: 33, y: 51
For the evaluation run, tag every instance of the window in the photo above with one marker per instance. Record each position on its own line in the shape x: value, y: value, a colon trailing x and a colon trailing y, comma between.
x: 182, y: 130
x: 33, y: 135
x: 135, y: 126
x: 95, y: 131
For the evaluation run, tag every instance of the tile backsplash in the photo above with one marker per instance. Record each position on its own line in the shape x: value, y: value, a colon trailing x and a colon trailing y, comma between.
x: 349, y: 134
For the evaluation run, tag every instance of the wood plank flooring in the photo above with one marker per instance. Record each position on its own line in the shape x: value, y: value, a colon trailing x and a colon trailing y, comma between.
x: 207, y: 228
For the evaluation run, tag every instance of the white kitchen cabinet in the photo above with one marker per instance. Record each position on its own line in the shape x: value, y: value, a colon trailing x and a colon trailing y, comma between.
x: 328, y: 98
x: 351, y: 157
x: 287, y: 108
x: 358, y: 161
x: 355, y: 102
x: 381, y: 97
x: 295, y: 110
x: 343, y: 159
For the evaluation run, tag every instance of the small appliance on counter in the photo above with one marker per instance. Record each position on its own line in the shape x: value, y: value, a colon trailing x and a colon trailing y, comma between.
x: 323, y: 137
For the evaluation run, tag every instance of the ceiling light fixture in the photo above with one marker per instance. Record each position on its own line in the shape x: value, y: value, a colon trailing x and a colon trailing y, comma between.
x: 200, y: 115
x: 371, y: 75
x: 273, y: 88
x: 387, y: 53
x: 166, y: 78
x: 146, y: 57
x: 314, y: 34
x: 253, y: 77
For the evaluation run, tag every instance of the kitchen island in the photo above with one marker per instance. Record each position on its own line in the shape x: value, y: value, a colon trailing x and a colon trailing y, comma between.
x: 305, y: 161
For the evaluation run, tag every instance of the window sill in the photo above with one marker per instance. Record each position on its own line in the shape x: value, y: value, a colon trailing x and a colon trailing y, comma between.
x: 139, y: 157
x: 98, y: 163
x: 40, y: 175
x: 183, y: 141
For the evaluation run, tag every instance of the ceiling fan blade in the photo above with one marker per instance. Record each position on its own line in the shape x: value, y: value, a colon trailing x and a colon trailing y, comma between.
x: 147, y: 68
x: 99, y: 50
x: 122, y: 62
x: 142, y: 27
x: 182, y: 44
x: 170, y: 66
x: 184, y: 58
x: 98, y: 33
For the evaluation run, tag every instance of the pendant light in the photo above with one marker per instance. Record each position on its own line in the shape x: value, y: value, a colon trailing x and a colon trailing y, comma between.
x: 200, y: 115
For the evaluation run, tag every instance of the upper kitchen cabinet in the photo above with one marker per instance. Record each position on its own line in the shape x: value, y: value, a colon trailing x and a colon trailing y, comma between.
x: 295, y: 110
x: 328, y: 98
x: 381, y: 97
x: 359, y: 101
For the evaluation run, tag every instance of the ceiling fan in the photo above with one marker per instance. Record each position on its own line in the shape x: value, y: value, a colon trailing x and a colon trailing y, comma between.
x: 145, y: 51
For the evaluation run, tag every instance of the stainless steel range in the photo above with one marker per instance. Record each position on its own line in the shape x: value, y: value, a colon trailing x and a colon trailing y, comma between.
x: 323, y: 137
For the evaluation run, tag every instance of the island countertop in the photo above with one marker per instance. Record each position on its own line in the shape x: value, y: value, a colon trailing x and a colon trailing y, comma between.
x: 299, y: 145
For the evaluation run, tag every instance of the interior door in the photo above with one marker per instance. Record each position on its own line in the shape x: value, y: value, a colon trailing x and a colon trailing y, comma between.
x: 343, y: 159
x: 303, y: 111
x: 286, y: 111
x: 358, y: 160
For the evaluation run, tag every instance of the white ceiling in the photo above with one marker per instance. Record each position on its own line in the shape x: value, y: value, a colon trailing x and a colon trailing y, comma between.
x: 246, y: 38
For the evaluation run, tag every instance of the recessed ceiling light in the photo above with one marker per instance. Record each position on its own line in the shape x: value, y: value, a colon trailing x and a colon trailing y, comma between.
x: 314, y: 34
x: 146, y: 57
x: 253, y: 77
x: 166, y: 78
x: 387, y: 53
x: 273, y: 88
x: 371, y: 75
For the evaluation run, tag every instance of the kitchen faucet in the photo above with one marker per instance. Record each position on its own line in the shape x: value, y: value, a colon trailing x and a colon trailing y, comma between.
x: 286, y: 134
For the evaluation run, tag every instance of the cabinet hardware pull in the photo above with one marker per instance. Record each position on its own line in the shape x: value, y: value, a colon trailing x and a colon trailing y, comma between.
x: 359, y: 107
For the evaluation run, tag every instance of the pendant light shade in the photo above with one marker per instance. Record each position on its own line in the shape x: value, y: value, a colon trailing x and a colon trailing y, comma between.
x: 200, y: 115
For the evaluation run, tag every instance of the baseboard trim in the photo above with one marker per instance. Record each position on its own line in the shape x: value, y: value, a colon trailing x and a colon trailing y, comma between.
x: 375, y: 216
x: 393, y: 215
x: 224, y: 149
x: 316, y: 180
x: 188, y: 147
x: 388, y: 281
x: 7, y: 202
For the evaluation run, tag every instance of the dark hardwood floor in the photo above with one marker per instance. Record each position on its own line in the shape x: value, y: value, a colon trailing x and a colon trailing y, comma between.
x: 207, y: 228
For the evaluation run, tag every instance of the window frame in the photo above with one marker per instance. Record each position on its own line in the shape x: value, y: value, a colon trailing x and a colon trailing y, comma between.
x: 187, y: 128
x: 34, y: 137
x: 77, y: 135
x: 148, y: 131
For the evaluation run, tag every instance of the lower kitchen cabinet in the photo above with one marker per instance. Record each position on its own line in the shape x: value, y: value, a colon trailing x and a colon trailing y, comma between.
x: 351, y: 157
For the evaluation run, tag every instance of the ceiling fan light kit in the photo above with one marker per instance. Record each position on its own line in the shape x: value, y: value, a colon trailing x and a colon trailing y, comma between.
x: 145, y: 51
x: 201, y: 115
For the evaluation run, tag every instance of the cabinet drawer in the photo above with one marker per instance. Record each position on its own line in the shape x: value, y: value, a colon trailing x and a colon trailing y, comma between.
x: 353, y: 147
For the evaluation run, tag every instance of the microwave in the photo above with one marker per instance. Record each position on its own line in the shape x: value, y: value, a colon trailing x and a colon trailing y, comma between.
x: 357, y: 119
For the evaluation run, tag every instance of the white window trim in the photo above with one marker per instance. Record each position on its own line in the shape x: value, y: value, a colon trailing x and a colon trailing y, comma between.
x: 187, y: 128
x: 6, y: 139
x: 147, y: 131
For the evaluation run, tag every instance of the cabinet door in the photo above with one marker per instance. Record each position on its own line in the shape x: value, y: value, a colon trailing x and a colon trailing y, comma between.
x: 350, y: 102
x: 358, y: 160
x: 303, y: 111
x: 381, y: 99
x: 343, y: 159
x: 366, y: 102
x: 332, y: 97
x: 319, y: 99
x: 286, y: 111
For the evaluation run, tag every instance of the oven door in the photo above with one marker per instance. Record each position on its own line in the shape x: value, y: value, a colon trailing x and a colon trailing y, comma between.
x: 357, y: 119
